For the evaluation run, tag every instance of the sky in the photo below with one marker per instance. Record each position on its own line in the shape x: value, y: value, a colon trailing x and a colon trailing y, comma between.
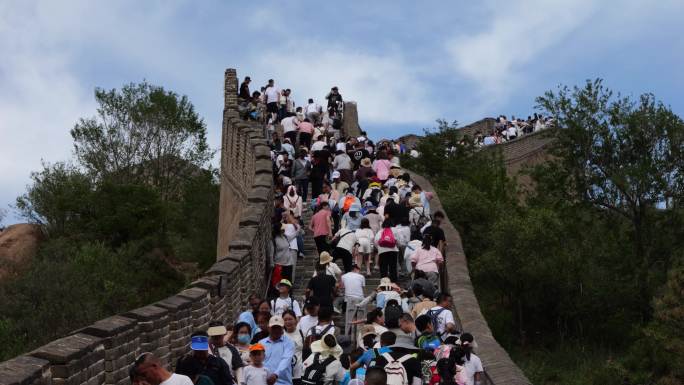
x: 405, y: 63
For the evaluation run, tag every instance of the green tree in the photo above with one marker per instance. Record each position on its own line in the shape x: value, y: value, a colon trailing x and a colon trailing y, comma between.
x: 620, y: 155
x: 58, y: 198
x: 142, y: 134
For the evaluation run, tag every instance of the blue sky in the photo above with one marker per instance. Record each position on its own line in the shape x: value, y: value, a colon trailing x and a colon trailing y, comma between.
x: 405, y: 63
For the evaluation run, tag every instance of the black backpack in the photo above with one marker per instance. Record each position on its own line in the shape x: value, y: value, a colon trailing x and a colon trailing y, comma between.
x: 375, y: 196
x: 311, y: 337
x: 315, y: 373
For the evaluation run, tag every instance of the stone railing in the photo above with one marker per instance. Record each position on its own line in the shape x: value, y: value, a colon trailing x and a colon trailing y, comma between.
x: 499, y: 368
x: 102, y: 353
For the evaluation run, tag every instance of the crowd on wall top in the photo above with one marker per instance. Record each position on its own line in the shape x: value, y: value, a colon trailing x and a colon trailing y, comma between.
x: 364, y: 210
x: 506, y: 130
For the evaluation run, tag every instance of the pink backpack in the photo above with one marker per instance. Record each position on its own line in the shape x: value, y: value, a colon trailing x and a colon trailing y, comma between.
x: 387, y: 238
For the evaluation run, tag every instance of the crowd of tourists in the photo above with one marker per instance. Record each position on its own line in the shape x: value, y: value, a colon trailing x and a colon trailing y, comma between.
x: 506, y: 130
x: 369, y: 215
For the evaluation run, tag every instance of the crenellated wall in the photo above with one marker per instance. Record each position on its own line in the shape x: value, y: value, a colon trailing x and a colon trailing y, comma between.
x: 103, y: 352
x: 499, y: 368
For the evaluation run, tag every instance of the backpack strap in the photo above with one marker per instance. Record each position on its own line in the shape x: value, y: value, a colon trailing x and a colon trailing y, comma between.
x: 387, y: 357
x: 405, y: 358
x: 326, y: 329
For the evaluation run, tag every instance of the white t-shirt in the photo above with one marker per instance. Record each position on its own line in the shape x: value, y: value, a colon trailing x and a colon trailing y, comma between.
x: 289, y: 123
x: 298, y: 342
x: 306, y: 323
x: 472, y: 366
x: 252, y: 375
x: 177, y: 379
x: 353, y: 284
x: 334, y: 372
x: 341, y: 146
x: 443, y: 318
x: 318, y: 146
x: 279, y: 305
x: 271, y: 95
x: 347, y: 239
x: 291, y: 235
x: 319, y: 329
x: 312, y: 108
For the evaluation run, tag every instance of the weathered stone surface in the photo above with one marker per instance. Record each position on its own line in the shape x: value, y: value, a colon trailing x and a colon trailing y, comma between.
x: 67, y: 349
x: 25, y: 370
x: 224, y: 267
x: 175, y: 303
x: 110, y: 326
x: 147, y: 313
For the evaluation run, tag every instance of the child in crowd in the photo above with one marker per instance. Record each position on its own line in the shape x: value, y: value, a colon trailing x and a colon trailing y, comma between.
x: 255, y: 373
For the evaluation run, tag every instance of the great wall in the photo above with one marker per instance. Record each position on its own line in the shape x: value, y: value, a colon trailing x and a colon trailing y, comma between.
x: 102, y: 353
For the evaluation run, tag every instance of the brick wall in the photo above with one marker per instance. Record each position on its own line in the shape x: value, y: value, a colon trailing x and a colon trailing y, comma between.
x: 102, y: 353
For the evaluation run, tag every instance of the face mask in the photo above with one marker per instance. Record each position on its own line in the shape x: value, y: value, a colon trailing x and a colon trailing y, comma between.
x: 244, y: 339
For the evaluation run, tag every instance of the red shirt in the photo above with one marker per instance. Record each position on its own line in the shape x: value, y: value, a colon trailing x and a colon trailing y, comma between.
x: 306, y: 127
x: 320, y: 224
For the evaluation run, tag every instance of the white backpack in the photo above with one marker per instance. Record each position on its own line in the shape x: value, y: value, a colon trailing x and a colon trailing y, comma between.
x: 396, y: 373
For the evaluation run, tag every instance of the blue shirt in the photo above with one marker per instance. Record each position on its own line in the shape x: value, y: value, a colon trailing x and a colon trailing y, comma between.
x: 360, y: 375
x: 278, y: 358
x: 368, y: 355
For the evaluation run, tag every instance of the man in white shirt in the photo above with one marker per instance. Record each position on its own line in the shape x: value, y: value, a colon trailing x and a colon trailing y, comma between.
x: 309, y: 320
x: 147, y: 369
x: 284, y: 301
x: 445, y: 318
x: 353, y: 283
x: 313, y: 111
x: 319, y: 144
x: 272, y: 97
x: 290, y: 127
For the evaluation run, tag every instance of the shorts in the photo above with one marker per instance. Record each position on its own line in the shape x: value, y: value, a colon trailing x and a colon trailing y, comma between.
x: 365, y: 246
x: 272, y: 107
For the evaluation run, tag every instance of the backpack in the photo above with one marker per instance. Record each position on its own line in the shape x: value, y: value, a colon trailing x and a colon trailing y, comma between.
x: 420, y: 222
x: 274, y: 301
x: 392, y: 315
x: 387, y: 238
x: 375, y: 196
x: 434, y: 319
x: 315, y: 373
x: 346, y: 204
x: 313, y: 336
x: 429, y: 342
x: 396, y: 373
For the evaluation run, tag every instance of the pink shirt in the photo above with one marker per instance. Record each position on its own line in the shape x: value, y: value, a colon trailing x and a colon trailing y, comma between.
x: 426, y: 260
x: 319, y: 223
x: 306, y: 127
x: 382, y: 168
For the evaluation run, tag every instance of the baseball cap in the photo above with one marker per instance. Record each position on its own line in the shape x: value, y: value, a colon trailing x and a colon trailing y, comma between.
x: 335, y: 174
x: 276, y: 320
x: 256, y: 347
x: 199, y: 342
x: 285, y: 282
x: 218, y: 330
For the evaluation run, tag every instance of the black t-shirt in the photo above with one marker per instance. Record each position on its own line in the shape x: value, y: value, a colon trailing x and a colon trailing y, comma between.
x: 357, y: 155
x: 437, y: 234
x: 323, y: 287
x: 214, y: 367
x: 412, y: 365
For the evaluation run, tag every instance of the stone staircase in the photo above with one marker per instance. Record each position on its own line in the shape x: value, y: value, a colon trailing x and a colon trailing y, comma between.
x: 305, y: 269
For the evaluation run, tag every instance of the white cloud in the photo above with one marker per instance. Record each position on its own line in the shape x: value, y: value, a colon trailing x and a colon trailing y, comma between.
x: 517, y: 33
x: 385, y: 87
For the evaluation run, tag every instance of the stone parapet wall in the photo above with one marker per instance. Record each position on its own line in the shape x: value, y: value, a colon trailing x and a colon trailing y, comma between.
x: 103, y: 352
x: 499, y: 368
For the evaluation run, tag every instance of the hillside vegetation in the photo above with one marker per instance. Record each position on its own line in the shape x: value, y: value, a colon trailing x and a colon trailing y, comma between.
x: 126, y: 219
x: 582, y: 277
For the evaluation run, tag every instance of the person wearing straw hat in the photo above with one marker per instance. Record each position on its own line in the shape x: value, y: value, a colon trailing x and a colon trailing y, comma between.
x: 219, y: 346
x: 213, y: 367
x: 279, y: 353
x: 284, y: 301
x: 331, y: 267
x: 323, y: 365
